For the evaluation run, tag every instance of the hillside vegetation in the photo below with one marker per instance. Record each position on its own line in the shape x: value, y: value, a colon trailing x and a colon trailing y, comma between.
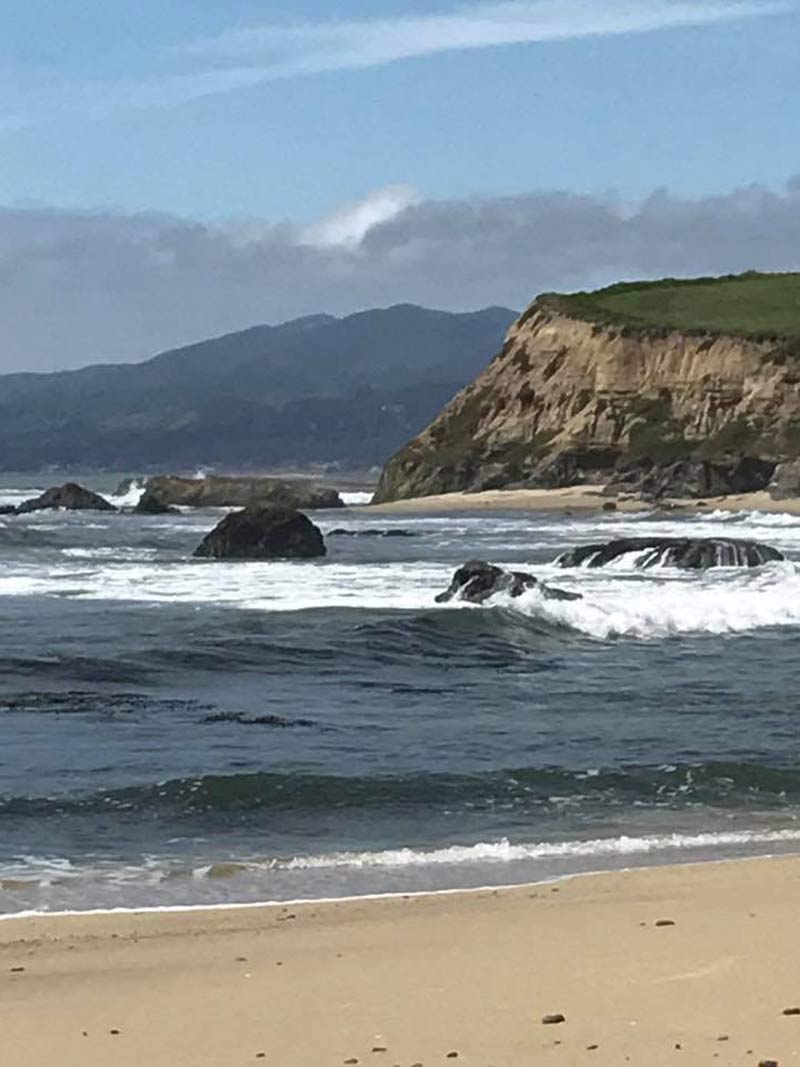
x: 752, y: 304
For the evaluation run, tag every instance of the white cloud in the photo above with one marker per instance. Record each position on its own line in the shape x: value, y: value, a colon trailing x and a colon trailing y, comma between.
x: 347, y: 227
x: 244, y: 58
x: 308, y: 48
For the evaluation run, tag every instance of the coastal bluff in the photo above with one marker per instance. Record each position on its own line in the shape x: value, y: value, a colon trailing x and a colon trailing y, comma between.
x: 671, y: 388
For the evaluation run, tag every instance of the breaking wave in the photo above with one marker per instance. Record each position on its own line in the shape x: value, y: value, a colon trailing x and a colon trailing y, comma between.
x: 649, y: 609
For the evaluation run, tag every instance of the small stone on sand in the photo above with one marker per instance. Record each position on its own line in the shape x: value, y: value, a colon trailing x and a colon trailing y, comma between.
x: 791, y: 1011
x: 665, y: 922
x: 767, y: 1063
x: 113, y: 1031
x: 17, y: 970
x: 550, y: 1020
x: 592, y: 1048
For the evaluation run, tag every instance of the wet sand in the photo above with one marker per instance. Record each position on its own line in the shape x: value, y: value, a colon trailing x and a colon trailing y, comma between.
x: 464, y: 978
x: 579, y: 498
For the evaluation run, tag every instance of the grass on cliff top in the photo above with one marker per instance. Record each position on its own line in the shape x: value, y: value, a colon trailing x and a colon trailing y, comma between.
x: 752, y: 304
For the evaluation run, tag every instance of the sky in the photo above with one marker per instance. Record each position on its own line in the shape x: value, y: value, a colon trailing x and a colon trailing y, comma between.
x: 173, y: 171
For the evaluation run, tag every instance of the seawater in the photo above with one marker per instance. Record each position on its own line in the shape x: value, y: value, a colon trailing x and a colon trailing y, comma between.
x: 179, y: 731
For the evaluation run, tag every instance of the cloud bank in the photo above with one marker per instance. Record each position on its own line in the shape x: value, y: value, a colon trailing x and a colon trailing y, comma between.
x: 85, y: 287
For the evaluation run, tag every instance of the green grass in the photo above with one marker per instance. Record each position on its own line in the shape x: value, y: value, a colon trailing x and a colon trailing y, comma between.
x: 766, y: 306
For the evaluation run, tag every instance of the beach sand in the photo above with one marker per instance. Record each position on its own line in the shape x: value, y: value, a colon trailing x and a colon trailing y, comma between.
x: 578, y: 498
x: 431, y: 980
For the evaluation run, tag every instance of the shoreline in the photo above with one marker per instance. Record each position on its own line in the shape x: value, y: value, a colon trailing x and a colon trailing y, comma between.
x: 645, y: 964
x: 586, y: 499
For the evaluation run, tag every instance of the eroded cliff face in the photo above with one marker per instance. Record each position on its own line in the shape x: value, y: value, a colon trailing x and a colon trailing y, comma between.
x: 568, y: 401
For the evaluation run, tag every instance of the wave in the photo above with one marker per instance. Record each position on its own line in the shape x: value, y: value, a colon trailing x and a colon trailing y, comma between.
x: 667, y: 786
x: 724, y: 604
x: 504, y: 851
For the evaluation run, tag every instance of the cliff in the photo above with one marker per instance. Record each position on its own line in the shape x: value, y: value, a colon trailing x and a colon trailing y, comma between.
x: 582, y: 391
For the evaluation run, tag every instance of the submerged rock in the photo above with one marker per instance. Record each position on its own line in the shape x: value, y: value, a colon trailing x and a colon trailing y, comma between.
x: 477, y: 580
x: 263, y: 533
x: 689, y: 553
x: 70, y: 497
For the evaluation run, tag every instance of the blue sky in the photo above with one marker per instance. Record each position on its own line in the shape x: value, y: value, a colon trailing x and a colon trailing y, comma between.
x: 176, y: 170
x: 286, y: 110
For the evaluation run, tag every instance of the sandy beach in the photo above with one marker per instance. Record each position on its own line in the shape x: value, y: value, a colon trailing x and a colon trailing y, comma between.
x: 691, y: 965
x: 578, y: 498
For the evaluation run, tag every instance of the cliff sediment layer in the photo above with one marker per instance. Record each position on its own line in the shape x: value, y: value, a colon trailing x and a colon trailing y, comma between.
x: 569, y: 400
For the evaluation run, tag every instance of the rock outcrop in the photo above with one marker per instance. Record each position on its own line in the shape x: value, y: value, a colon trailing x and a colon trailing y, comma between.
x: 786, y: 481
x: 477, y: 581
x: 263, y: 533
x: 220, y: 492
x: 569, y: 400
x: 148, y: 504
x: 70, y: 497
x: 688, y: 553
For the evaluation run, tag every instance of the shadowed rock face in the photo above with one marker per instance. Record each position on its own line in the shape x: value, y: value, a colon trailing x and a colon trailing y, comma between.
x: 263, y: 533
x: 71, y: 497
x: 476, y: 581
x: 688, y: 553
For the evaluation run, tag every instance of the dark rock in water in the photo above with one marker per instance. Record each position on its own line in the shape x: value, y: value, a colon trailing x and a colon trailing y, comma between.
x: 688, y: 553
x: 71, y: 497
x: 217, y: 492
x: 7, y: 509
x: 263, y: 533
x: 476, y: 581
x: 151, y: 505
x: 341, y: 532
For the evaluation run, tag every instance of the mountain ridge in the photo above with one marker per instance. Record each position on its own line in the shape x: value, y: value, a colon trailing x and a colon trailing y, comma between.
x: 312, y: 390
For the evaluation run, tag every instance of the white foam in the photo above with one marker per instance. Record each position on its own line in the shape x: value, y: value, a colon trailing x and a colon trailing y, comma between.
x: 504, y: 851
x: 354, y: 499
x: 130, y: 498
x: 718, y: 602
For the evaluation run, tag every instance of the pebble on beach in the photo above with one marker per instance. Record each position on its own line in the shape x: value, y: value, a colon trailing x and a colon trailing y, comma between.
x: 550, y: 1020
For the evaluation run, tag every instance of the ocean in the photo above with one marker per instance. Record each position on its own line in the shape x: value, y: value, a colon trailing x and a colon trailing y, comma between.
x: 184, y: 732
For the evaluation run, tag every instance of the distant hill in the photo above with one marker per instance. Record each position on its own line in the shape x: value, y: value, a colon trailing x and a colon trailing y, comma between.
x: 314, y: 390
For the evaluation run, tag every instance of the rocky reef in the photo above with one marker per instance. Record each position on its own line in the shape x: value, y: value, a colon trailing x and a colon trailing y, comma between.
x: 658, y: 410
x: 234, y: 492
x: 688, y: 553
